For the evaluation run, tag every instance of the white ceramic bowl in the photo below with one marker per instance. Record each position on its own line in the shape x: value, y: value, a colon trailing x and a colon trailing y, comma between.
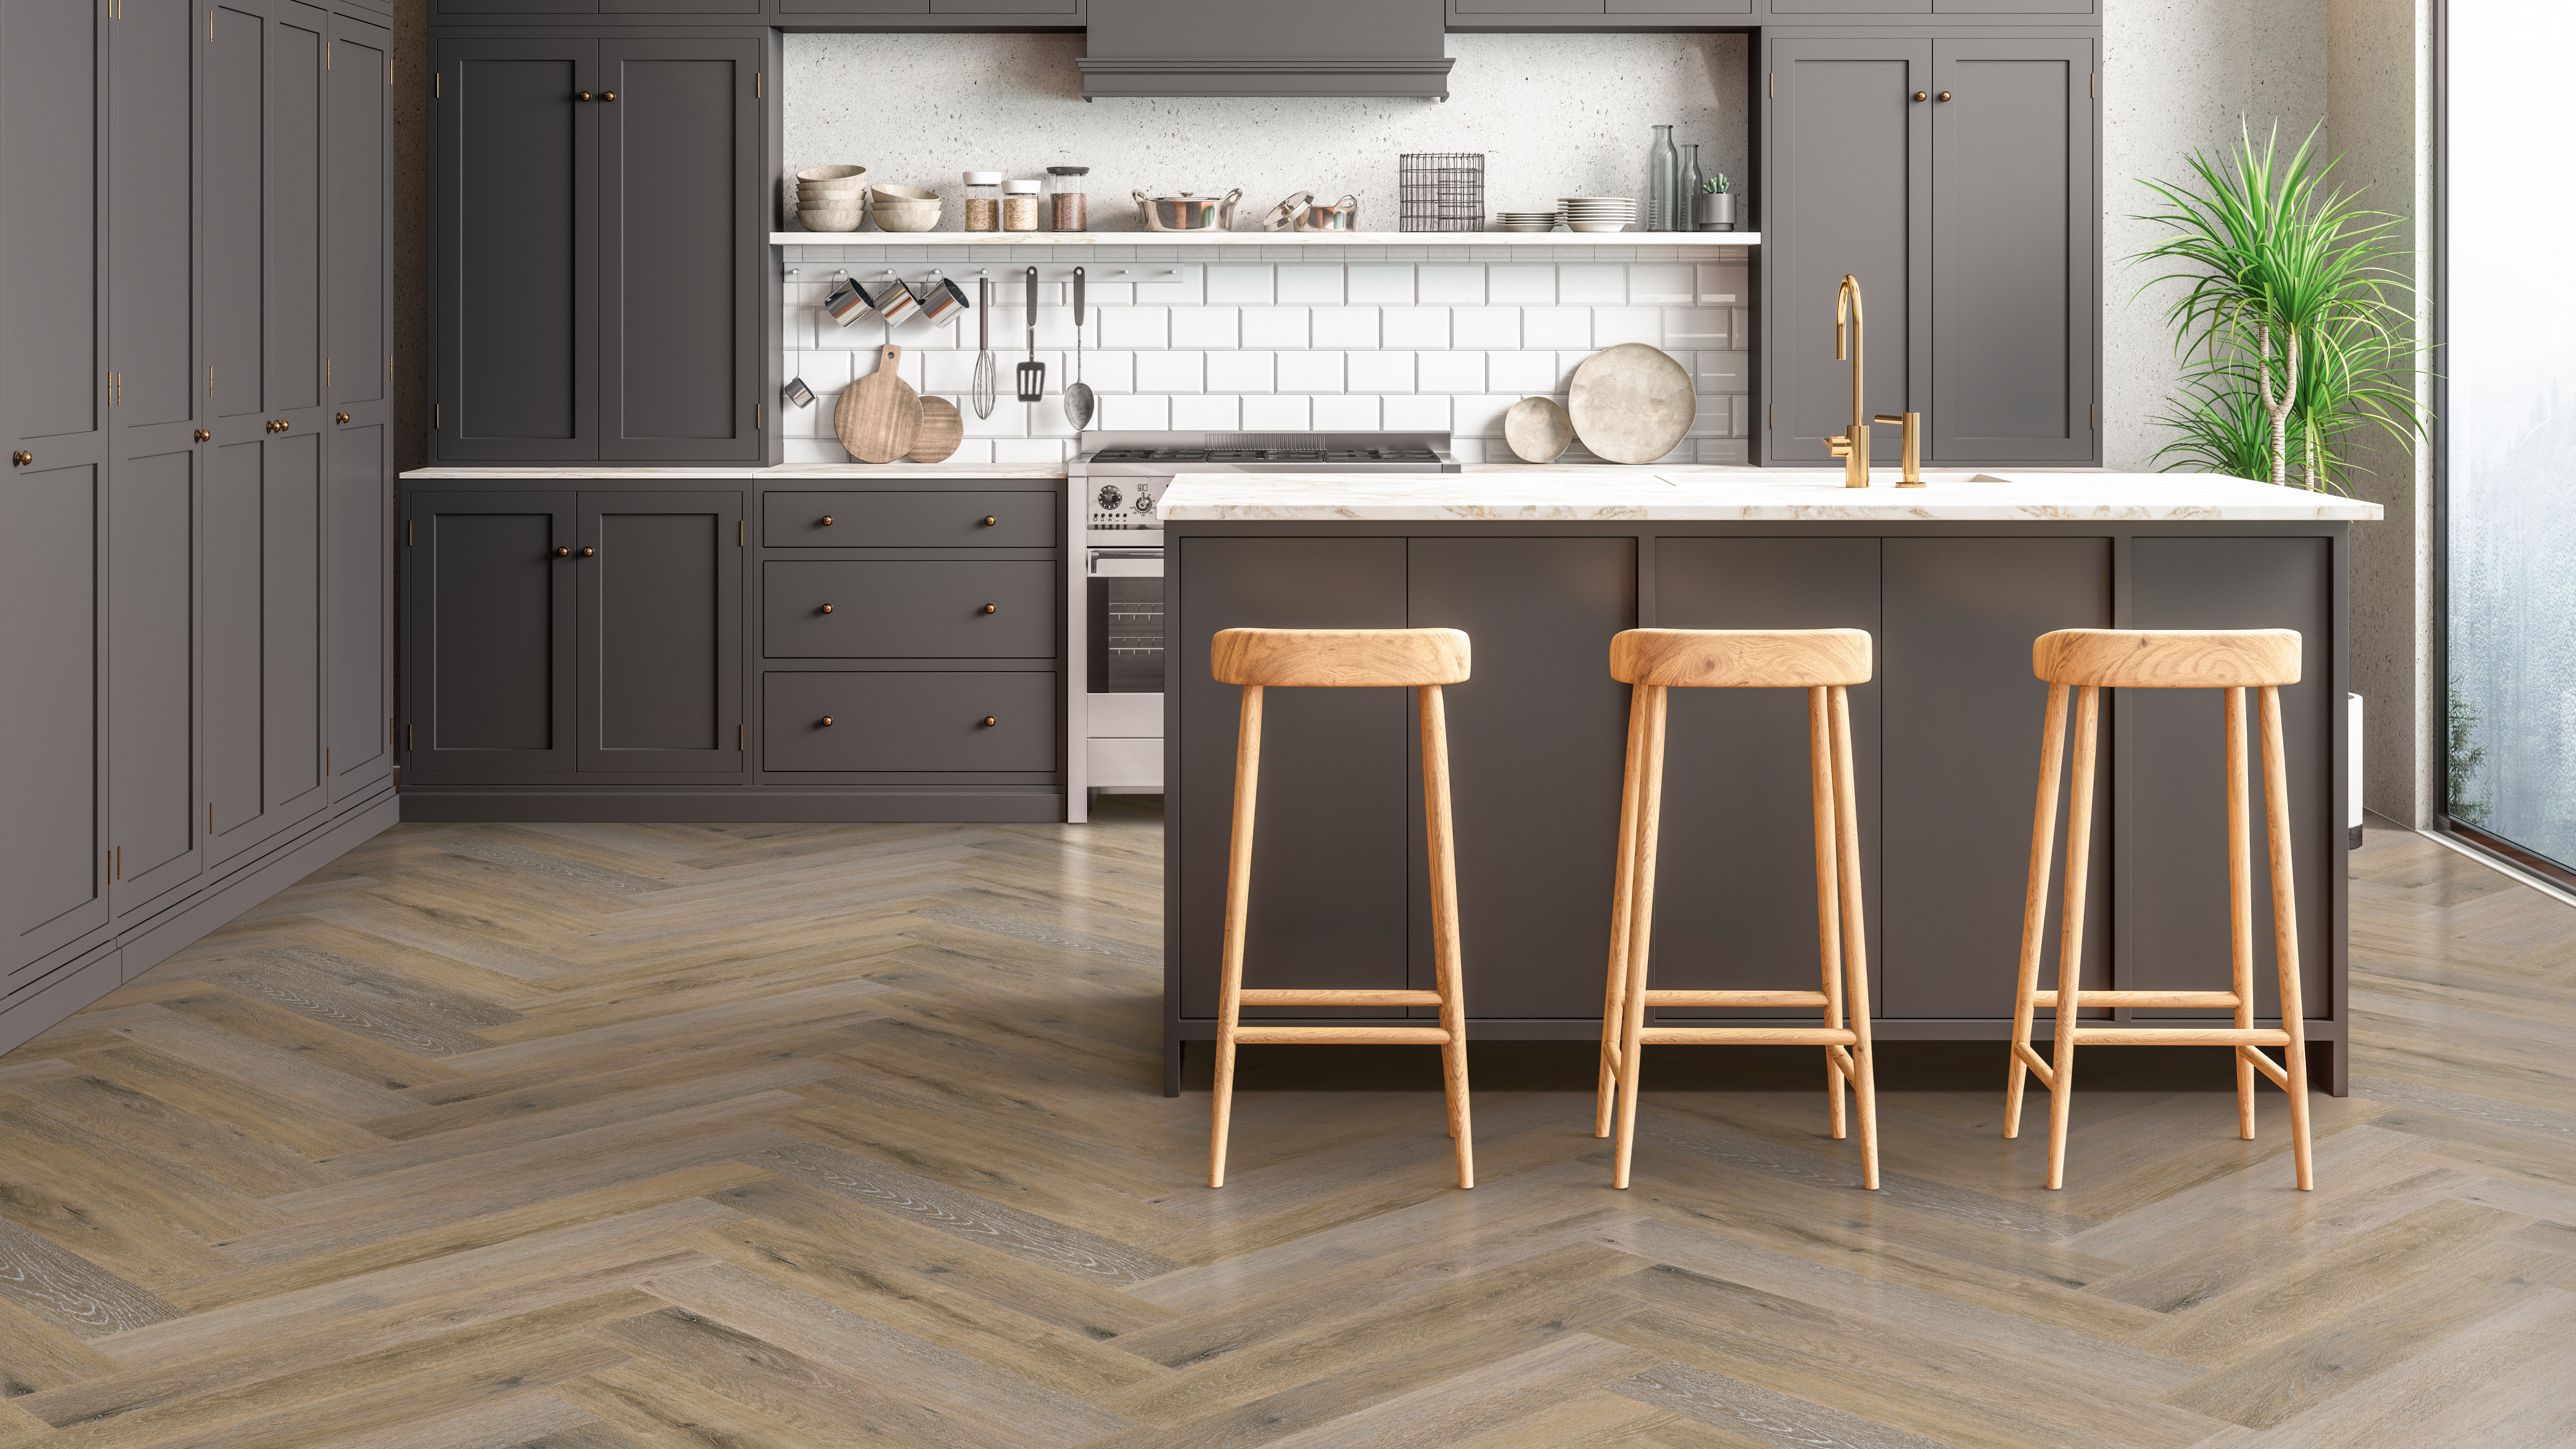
x: 906, y: 215
x: 898, y: 194
x: 831, y: 173
x: 817, y: 190
x: 837, y: 218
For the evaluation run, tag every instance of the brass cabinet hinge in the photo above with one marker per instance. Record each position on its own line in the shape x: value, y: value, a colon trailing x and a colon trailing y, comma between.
x: 437, y: 85
x: 436, y: 415
x: 408, y: 539
x: 210, y: 817
x: 737, y: 739
x: 2093, y: 84
x: 410, y: 741
x: 755, y: 85
x: 1771, y: 86
x: 326, y: 761
x: 755, y: 417
x: 737, y: 533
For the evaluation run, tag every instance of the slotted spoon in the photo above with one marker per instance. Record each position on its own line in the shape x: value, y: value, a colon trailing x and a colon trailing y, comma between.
x: 983, y: 389
x: 1033, y: 372
x: 1077, y: 397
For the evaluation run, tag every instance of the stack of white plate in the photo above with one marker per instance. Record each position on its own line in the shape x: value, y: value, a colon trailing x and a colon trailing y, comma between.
x: 1524, y: 221
x: 1596, y: 213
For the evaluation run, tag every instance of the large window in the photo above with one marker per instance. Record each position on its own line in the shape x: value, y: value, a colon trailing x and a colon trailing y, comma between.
x: 2508, y: 424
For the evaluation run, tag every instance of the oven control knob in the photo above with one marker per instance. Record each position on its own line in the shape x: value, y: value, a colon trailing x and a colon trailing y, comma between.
x: 1110, y: 496
x: 1145, y: 504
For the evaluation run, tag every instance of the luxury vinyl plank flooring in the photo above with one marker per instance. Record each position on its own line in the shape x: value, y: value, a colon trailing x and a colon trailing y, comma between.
x: 693, y: 1136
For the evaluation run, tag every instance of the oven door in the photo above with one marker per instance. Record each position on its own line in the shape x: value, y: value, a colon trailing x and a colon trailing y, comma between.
x: 1124, y: 615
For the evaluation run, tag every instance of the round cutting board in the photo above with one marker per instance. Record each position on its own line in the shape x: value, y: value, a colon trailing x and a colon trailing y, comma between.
x: 1632, y: 403
x: 1537, y: 430
x: 879, y: 416
x: 941, y: 431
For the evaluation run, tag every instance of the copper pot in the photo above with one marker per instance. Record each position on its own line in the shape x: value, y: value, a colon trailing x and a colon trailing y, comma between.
x: 1342, y: 215
x: 1188, y: 211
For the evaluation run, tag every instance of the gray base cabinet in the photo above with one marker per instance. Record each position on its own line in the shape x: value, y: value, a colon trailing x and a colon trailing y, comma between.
x: 1945, y: 743
x: 655, y: 651
x: 194, y: 529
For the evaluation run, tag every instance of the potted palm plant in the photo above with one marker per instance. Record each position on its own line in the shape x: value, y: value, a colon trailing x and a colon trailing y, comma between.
x: 2291, y: 319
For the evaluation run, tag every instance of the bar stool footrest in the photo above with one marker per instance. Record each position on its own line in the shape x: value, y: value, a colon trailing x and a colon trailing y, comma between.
x: 1316, y: 1035
x: 1303, y: 996
x: 2180, y: 1036
x: 1735, y: 998
x: 1750, y: 1035
x: 2047, y: 1000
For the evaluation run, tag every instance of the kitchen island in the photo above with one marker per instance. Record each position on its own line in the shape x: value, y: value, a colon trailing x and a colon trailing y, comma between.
x: 1542, y: 565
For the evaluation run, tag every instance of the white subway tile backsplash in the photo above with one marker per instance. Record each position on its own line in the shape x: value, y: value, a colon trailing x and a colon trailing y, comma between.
x: 1445, y: 286
x: 1171, y: 372
x: 1307, y: 286
x: 1277, y: 414
x: 1310, y: 372
x: 1108, y: 371
x: 1415, y: 411
x: 1481, y: 417
x: 1524, y: 372
x: 1240, y: 372
x: 1346, y: 414
x: 1556, y: 326
x: 1205, y: 327
x: 1414, y: 327
x: 1485, y: 327
x: 1381, y: 372
x: 1614, y: 325
x: 1047, y: 450
x: 1135, y: 327
x: 1136, y: 410
x: 1725, y: 284
x: 1212, y: 414
x: 1165, y: 286
x: 1660, y: 282
x: 1449, y: 371
x: 1592, y: 286
x: 1345, y: 326
x: 1240, y: 285
x: 1381, y: 285
x: 1687, y: 327
x: 1521, y: 286
x: 1275, y: 327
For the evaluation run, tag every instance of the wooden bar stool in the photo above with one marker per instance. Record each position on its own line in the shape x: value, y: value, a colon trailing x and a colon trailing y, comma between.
x: 1424, y: 660
x: 1823, y: 662
x: 2089, y: 661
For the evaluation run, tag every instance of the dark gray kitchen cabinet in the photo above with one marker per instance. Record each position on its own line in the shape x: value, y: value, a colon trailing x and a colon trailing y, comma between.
x: 488, y: 630
x: 156, y: 834
x: 1971, y: 223
x: 53, y: 861
x: 358, y: 584
x: 1597, y: 15
x: 853, y: 721
x: 659, y: 613
x: 263, y: 640
x: 910, y: 609
x: 598, y: 212
x: 358, y: 366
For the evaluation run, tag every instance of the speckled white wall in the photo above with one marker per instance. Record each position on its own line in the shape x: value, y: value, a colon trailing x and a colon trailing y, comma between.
x: 1555, y: 115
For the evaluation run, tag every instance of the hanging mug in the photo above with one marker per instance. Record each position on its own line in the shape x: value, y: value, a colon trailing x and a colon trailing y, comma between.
x: 847, y: 302
x: 941, y: 300
x: 894, y: 301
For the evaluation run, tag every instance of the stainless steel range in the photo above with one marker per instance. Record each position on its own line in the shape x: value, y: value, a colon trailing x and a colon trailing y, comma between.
x: 1114, y: 605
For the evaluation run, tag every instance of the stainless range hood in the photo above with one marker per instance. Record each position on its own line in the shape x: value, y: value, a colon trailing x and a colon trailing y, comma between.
x: 1265, y: 48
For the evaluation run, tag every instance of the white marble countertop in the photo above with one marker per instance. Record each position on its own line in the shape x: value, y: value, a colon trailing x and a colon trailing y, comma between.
x: 1504, y: 492
x: 785, y: 473
x: 1327, y: 240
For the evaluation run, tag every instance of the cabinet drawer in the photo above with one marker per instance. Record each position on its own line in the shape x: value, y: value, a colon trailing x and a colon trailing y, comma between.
x: 910, y: 610
x: 883, y: 721
x: 1021, y: 519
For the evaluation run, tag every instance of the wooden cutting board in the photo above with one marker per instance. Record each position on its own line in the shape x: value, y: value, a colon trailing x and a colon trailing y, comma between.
x: 941, y: 431
x: 879, y: 416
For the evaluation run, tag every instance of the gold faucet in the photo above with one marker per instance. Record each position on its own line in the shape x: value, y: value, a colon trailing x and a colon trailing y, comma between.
x: 1852, y: 443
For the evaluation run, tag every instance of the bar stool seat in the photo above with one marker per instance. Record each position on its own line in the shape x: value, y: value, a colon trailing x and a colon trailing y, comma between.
x: 2088, y: 661
x: 1824, y: 663
x: 1423, y: 660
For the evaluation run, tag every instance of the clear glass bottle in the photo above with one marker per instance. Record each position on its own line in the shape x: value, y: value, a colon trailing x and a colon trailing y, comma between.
x: 1686, y: 206
x: 1068, y: 205
x: 1663, y: 180
x: 1020, y: 204
x: 983, y: 201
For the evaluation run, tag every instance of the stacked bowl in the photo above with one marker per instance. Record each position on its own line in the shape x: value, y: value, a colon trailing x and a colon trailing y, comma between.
x: 831, y: 198
x: 904, y: 208
x: 1596, y: 213
x: 1524, y: 221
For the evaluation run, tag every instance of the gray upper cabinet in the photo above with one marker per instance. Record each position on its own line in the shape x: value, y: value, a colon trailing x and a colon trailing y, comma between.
x: 598, y: 212
x: 660, y: 618
x: 681, y: 251
x: 1971, y: 225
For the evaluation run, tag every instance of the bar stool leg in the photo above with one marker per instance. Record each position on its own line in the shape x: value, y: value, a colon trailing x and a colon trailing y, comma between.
x: 2240, y: 907
x: 2285, y: 934
x: 1641, y: 929
x: 1238, y: 902
x: 2034, y: 903
x: 1855, y: 936
x: 1614, y: 989
x: 2070, y: 939
x: 1829, y: 940
x: 1440, y: 829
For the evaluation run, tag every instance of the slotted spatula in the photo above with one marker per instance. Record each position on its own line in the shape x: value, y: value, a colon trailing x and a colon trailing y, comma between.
x: 983, y: 389
x: 1033, y: 372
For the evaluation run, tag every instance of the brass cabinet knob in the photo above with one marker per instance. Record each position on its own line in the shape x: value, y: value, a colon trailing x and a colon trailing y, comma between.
x: 563, y: 553
x: 991, y: 720
x: 204, y: 437
x: 20, y: 457
x: 990, y: 520
x: 1945, y: 95
x: 827, y: 608
x: 589, y: 552
x: 827, y: 520
x: 827, y: 721
x: 1922, y: 96
x: 608, y: 95
x: 585, y: 95
x: 992, y: 609
x: 339, y: 417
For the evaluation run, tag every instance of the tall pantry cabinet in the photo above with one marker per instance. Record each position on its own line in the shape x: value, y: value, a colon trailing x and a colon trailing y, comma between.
x: 196, y: 519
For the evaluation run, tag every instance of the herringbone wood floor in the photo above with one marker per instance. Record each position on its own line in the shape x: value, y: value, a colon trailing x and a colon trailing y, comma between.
x: 829, y: 1135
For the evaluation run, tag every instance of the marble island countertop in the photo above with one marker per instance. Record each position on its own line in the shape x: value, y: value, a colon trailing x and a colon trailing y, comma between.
x: 1558, y: 493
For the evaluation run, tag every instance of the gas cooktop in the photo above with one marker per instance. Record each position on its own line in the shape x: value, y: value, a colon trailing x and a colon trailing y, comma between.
x: 1266, y: 455
x: 1149, y: 453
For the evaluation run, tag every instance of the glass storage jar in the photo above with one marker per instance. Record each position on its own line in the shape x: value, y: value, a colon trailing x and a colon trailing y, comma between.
x: 983, y: 201
x: 1068, y: 205
x: 1020, y: 205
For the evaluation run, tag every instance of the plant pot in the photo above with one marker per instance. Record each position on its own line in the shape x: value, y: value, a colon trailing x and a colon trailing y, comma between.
x: 1716, y: 211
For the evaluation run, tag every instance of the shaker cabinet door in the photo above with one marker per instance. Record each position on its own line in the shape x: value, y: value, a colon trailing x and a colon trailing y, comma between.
x: 660, y: 652
x: 488, y: 630
x: 514, y: 286
x: 358, y: 574
x: 359, y: 368
x: 263, y: 640
x: 50, y: 218
x: 53, y: 861
x: 680, y: 188
x: 156, y: 825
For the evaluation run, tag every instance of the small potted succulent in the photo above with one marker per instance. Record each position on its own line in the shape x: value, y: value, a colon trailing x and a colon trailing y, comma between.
x: 1716, y: 204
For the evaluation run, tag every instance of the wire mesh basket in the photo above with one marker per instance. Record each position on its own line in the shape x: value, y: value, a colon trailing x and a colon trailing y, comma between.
x: 1440, y: 191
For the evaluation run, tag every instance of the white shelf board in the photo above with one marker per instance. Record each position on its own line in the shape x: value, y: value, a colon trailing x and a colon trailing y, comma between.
x: 1323, y: 240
